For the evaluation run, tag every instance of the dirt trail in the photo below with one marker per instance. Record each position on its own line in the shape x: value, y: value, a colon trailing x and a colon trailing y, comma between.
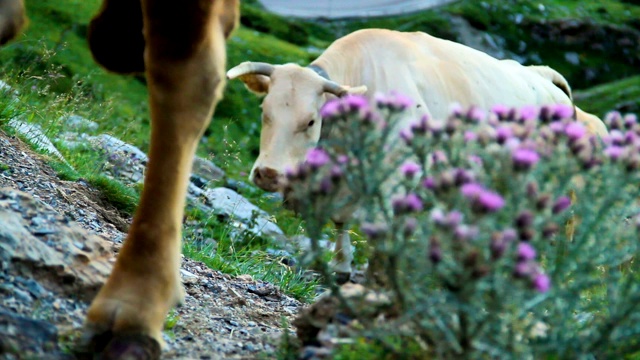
x: 58, y: 240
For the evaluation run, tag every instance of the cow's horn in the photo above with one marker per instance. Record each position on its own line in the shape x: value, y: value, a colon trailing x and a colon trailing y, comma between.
x: 334, y: 88
x: 248, y: 67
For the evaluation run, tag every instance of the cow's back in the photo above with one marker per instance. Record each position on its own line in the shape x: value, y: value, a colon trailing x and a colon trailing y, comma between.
x: 433, y: 71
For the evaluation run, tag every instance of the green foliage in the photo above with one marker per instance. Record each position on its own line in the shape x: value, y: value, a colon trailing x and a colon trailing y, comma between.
x: 265, y: 22
x: 522, y: 24
x: 477, y: 248
x: 219, y: 244
x: 115, y: 193
x: 622, y: 95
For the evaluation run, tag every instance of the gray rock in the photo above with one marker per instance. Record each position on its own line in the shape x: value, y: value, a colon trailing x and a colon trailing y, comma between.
x: 34, y: 134
x: 6, y: 88
x: 78, y: 123
x: 243, y: 214
x: 207, y: 169
x: 52, y: 256
x: 23, y: 338
x: 572, y: 58
x: 113, y: 145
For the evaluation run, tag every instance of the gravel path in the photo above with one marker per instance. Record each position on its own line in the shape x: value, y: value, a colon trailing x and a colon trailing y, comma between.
x: 223, y: 317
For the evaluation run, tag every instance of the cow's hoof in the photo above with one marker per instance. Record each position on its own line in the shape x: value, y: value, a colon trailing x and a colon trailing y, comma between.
x: 121, y: 346
x: 343, y: 277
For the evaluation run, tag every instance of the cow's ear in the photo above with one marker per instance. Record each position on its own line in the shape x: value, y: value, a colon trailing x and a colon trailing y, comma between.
x: 256, y: 83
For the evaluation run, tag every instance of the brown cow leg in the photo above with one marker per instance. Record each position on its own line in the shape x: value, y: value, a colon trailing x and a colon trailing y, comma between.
x: 12, y: 19
x: 185, y: 63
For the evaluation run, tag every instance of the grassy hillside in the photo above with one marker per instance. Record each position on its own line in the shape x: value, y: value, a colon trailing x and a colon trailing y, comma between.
x: 50, y: 65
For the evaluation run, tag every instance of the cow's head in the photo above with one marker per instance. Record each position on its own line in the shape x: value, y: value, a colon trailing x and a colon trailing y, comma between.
x: 291, y: 121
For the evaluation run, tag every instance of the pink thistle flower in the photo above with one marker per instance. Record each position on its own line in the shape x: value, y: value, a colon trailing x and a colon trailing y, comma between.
x: 503, y: 133
x: 502, y: 111
x: 613, y: 120
x: 614, y: 152
x: 436, y: 127
x: 557, y: 127
x: 561, y: 204
x: 439, y: 157
x: 355, y: 103
x: 471, y: 190
x: 529, y: 113
x: 630, y: 120
x: 316, y: 158
x: 413, y: 202
x: 509, y: 235
x: 409, y: 169
x: 470, y: 136
x: 462, y: 176
x: 429, y: 183
x: 421, y: 126
x: 455, y: 109
x: 326, y: 186
x: 541, y: 282
x: 523, y: 269
x: 336, y: 173
x: 400, y: 101
x: 526, y: 251
x: 513, y: 143
x: 562, y: 111
x: 410, y: 226
x: 475, y: 159
x: 330, y: 109
x: 408, y: 203
x: 524, y: 219
x: 524, y: 159
x: 343, y: 159
x: 575, y: 131
x: 615, y: 137
x: 498, y: 246
x: 476, y: 114
x: 406, y: 135
x: 438, y: 217
x: 374, y: 231
x: 490, y: 202
x: 454, y: 218
x: 465, y: 232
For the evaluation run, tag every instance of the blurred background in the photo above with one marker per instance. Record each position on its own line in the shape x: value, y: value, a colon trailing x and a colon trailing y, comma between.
x: 594, y: 44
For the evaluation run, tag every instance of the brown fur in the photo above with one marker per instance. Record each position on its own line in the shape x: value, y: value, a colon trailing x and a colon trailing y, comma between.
x: 182, y: 52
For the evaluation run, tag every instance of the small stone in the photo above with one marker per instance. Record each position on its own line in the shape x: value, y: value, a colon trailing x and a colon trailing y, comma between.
x: 245, y: 278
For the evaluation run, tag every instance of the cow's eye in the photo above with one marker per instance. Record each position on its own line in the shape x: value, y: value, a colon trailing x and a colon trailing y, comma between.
x: 310, y: 124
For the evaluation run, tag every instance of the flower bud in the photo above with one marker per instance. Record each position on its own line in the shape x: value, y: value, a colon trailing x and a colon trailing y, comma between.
x: 561, y: 204
x: 524, y: 219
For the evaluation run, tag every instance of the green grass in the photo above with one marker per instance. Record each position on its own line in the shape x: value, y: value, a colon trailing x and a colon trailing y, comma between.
x: 618, y: 95
x: 244, y: 255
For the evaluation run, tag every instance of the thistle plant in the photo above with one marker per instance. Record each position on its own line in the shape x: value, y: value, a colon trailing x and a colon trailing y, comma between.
x: 511, y: 233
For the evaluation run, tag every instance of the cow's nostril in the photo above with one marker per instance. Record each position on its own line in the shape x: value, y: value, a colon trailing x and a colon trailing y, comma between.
x: 269, y: 173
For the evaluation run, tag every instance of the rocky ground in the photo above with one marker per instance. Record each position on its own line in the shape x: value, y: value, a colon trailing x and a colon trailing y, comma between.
x: 58, y: 240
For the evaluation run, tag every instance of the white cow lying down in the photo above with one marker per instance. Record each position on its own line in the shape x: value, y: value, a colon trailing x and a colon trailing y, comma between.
x: 433, y: 72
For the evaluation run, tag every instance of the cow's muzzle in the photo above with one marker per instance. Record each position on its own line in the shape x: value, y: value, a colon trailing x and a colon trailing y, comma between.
x: 267, y: 179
